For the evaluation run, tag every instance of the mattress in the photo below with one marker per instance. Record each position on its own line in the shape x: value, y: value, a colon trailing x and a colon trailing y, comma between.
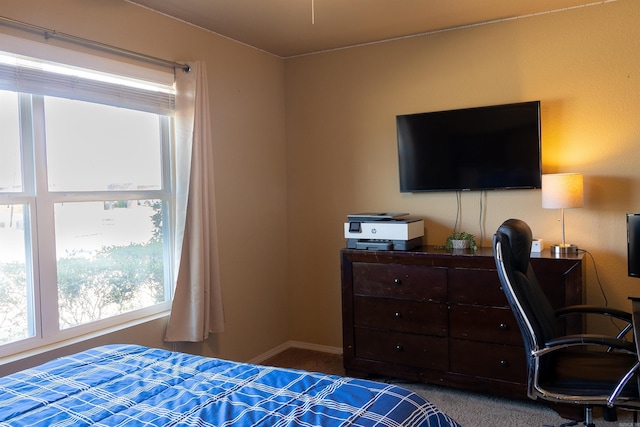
x: 130, y: 385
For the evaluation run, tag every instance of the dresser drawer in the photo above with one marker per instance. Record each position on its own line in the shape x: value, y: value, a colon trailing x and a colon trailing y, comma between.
x: 483, y: 360
x: 420, y: 317
x: 399, y: 281
x: 489, y: 324
x: 421, y: 351
x: 475, y: 286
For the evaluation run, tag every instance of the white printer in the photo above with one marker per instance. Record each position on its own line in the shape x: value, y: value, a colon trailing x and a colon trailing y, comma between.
x: 383, y: 231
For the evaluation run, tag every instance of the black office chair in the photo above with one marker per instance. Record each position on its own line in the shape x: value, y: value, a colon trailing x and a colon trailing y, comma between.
x: 586, y: 369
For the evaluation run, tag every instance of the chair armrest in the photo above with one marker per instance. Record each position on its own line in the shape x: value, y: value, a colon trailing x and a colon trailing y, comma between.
x: 585, y: 339
x: 593, y: 309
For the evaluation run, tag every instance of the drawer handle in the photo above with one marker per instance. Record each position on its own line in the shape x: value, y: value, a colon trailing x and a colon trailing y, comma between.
x: 503, y: 326
x: 399, y: 347
x: 398, y: 315
x: 397, y: 281
x: 504, y: 363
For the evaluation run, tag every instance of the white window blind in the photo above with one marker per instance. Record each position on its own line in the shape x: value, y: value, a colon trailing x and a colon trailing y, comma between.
x: 21, y: 74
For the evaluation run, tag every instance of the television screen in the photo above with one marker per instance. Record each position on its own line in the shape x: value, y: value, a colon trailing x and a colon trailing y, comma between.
x: 633, y: 244
x: 483, y: 148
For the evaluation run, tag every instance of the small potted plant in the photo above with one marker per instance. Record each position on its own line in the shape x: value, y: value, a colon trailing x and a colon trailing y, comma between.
x: 461, y: 240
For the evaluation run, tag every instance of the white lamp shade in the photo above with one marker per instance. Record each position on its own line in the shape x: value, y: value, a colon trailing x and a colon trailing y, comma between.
x: 562, y: 190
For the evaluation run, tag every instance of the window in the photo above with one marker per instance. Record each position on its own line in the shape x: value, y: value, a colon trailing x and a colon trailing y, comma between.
x: 85, y: 201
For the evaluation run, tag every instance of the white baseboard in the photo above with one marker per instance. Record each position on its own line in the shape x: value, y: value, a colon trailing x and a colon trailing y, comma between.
x: 295, y: 344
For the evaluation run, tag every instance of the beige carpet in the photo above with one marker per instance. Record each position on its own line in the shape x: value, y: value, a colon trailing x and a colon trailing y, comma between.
x: 468, y: 409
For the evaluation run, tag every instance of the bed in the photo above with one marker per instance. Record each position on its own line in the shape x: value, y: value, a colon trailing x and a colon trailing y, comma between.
x: 130, y: 385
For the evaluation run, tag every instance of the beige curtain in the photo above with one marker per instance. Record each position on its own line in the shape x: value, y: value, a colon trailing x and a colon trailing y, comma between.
x: 197, y: 303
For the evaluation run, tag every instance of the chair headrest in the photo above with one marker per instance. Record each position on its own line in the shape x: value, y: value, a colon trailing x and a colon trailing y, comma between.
x: 519, y: 236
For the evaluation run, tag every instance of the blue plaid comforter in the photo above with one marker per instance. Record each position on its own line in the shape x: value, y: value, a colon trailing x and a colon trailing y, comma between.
x: 127, y: 385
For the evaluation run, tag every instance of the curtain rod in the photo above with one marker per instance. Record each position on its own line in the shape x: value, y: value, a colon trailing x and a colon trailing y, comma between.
x: 50, y: 34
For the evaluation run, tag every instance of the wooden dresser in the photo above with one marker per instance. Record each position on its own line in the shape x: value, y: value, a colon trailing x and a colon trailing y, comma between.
x: 434, y: 316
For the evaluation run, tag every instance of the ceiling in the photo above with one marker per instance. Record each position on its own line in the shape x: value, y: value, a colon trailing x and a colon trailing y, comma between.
x: 287, y: 28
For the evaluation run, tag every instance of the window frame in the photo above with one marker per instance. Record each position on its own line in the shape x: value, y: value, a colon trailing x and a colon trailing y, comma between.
x: 41, y: 264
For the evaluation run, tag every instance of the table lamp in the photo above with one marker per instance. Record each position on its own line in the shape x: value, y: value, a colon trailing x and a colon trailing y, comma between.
x: 560, y: 191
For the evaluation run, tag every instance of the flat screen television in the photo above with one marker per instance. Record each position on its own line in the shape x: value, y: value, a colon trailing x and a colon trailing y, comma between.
x: 483, y: 148
x: 633, y: 244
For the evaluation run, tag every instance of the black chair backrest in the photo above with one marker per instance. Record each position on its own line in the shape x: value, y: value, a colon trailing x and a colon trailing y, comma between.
x: 535, y: 316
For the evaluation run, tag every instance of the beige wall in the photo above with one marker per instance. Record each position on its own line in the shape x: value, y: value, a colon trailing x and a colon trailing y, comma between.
x: 583, y: 65
x: 300, y: 143
x: 247, y: 101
